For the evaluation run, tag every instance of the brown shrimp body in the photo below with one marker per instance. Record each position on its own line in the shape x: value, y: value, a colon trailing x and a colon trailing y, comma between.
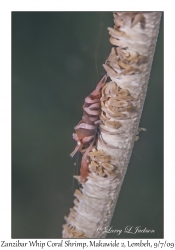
x: 86, y: 130
x: 81, y: 133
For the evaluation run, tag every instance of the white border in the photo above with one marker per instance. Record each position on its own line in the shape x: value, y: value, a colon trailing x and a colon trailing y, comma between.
x: 5, y: 94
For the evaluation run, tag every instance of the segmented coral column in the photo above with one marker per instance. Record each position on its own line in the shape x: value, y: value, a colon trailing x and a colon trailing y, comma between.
x: 128, y: 66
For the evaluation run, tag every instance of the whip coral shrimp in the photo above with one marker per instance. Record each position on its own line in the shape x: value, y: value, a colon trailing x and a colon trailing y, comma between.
x: 86, y: 130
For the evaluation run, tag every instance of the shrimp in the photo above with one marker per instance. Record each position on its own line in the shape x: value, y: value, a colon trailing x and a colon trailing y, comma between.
x: 86, y: 130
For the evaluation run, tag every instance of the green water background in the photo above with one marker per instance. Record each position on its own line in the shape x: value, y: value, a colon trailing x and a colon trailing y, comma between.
x: 55, y: 57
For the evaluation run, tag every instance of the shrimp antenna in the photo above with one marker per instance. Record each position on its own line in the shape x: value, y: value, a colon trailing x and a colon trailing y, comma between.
x: 98, y: 44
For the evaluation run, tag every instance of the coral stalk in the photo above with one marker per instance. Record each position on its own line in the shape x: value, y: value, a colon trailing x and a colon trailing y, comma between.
x: 128, y: 66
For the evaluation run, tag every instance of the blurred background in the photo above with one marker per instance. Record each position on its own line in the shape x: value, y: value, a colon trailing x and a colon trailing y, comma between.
x: 57, y: 61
